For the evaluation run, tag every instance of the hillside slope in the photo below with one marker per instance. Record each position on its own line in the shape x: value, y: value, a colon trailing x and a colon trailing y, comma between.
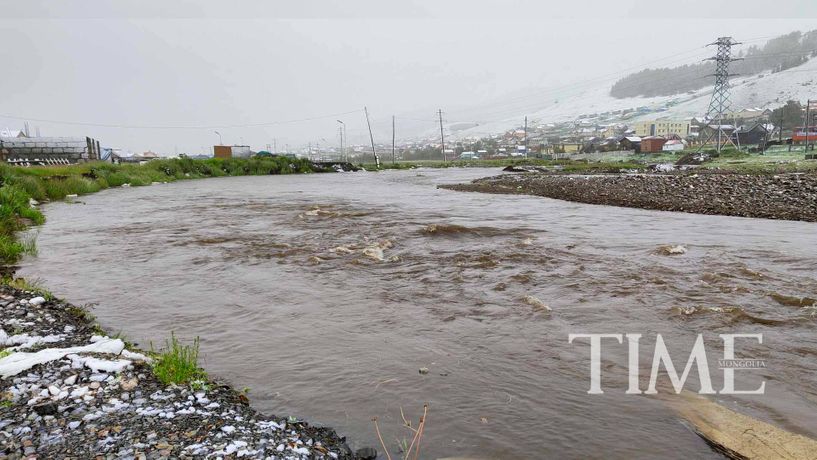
x: 765, y: 90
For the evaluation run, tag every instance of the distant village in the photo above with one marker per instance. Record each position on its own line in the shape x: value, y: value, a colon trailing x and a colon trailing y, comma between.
x: 749, y: 129
x: 628, y: 130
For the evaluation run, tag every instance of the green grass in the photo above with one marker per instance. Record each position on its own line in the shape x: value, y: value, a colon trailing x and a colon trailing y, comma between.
x: 4, y: 353
x: 178, y: 363
x: 30, y: 286
x: 772, y: 162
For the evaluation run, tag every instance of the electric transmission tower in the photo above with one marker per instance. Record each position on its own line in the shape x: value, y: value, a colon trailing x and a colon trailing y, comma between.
x: 719, y: 105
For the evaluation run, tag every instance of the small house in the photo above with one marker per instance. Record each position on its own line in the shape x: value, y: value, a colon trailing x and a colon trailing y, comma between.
x: 673, y: 145
x: 631, y: 143
x: 652, y: 144
x: 755, y: 135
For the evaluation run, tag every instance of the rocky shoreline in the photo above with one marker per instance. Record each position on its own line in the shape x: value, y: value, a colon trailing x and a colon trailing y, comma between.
x: 781, y: 196
x: 69, y: 391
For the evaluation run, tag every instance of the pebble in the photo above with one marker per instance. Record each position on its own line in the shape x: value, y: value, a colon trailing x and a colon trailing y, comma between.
x: 37, y: 301
x: 129, y: 384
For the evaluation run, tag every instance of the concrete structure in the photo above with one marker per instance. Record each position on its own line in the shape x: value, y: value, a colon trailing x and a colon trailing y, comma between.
x: 47, y: 150
x: 749, y: 115
x: 232, y: 151
x: 662, y: 128
x: 567, y: 147
x: 673, y: 146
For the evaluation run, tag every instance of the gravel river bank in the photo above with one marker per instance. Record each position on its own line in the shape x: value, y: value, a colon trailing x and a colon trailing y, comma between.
x: 67, y: 392
x: 784, y: 196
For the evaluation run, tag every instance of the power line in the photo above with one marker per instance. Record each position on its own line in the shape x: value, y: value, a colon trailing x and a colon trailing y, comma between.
x: 719, y: 104
x: 248, y: 125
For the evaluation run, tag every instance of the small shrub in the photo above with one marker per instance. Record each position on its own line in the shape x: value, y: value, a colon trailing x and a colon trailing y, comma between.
x: 32, y: 185
x: 117, y: 179
x: 34, y: 286
x: 81, y: 313
x: 10, y: 249
x: 178, y: 363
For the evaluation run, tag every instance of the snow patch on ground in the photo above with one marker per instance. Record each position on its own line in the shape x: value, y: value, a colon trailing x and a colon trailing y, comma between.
x: 19, y: 362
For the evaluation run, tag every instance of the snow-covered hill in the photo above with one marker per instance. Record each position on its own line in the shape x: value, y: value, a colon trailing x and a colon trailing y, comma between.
x: 765, y: 90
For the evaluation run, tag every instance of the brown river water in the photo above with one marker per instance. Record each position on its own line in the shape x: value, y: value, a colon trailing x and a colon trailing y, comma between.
x: 325, y: 295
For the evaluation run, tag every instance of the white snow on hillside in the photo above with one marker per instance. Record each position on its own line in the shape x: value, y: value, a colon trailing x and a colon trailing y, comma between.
x: 766, y: 90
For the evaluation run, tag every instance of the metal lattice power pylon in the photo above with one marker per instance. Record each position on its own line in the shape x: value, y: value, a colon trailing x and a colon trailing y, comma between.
x: 719, y: 105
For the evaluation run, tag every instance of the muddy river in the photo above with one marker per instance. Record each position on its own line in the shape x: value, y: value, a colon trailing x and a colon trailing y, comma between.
x: 326, y: 294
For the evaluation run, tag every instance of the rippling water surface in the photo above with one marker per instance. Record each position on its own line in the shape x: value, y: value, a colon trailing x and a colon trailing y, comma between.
x: 324, y: 294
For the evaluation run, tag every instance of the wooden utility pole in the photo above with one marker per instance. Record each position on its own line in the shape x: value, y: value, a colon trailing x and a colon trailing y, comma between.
x: 780, y: 131
x: 442, y: 135
x: 393, y: 156
x: 526, y: 136
x: 371, y: 137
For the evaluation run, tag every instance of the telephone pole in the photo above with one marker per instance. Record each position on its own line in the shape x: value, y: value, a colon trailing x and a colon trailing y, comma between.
x: 371, y: 137
x: 344, y: 137
x: 442, y: 134
x: 393, y: 156
x: 526, y: 136
x: 780, y: 132
x: 340, y: 134
x: 719, y: 104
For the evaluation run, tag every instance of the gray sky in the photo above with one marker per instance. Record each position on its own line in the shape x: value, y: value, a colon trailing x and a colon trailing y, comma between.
x: 154, y: 67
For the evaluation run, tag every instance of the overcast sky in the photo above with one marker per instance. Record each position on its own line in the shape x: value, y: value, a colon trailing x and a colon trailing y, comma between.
x: 164, y: 75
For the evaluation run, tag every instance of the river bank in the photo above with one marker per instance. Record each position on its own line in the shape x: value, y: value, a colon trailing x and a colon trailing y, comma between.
x: 68, y: 391
x: 769, y: 196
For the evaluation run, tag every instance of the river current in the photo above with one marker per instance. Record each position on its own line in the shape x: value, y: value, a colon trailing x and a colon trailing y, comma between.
x: 326, y: 295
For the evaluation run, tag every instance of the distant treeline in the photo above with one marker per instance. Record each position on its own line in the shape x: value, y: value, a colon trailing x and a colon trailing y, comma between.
x: 777, y: 54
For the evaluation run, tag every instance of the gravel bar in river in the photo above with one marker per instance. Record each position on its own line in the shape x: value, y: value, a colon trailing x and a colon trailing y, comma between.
x: 781, y: 196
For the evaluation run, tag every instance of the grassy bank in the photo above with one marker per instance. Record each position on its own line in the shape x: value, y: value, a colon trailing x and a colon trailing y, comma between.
x: 18, y: 186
